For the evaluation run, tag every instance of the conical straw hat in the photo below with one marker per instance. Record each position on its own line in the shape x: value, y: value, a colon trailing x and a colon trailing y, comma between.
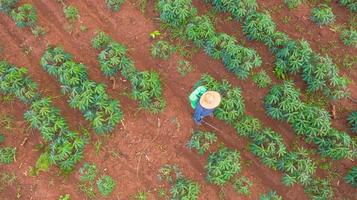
x: 210, y: 100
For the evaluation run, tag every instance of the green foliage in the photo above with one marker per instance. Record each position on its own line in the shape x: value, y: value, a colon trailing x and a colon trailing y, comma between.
x: 185, y: 189
x: 248, y: 126
x: 7, y: 155
x: 283, y: 102
x: 181, y: 187
x: 65, y: 197
x: 146, y: 85
x: 351, y: 177
x: 262, y: 79
x: 42, y: 164
x: 2, y: 138
x: 15, y: 81
x: 86, y: 95
x: 298, y: 167
x: 350, y: 4
x: 222, y: 166
x: 24, y: 15
x: 184, y: 67
x: 322, y: 15
x: 7, y: 5
x: 269, y: 147
x: 88, y: 172
x: 140, y: 196
x: 293, y: 3
x: 319, y: 189
x: 271, y: 195
x: 114, y: 4
x: 242, y: 185
x: 232, y: 105
x: 113, y: 58
x: 200, y: 30
x: 71, y: 13
x: 176, y: 12
x: 349, y: 37
x: 162, y: 49
x: 238, y: 9
x: 66, y: 147
x: 101, y: 40
x: 201, y: 141
x: 352, y: 121
x: 106, y: 185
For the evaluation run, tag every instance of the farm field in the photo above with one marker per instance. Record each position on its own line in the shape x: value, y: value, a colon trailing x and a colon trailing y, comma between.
x: 99, y: 95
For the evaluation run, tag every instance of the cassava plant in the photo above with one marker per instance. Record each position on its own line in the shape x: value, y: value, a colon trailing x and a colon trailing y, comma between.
x: 89, y: 97
x: 7, y: 5
x: 350, y: 4
x: 201, y: 141
x: 7, y: 155
x: 146, y: 85
x: 114, y: 4
x: 176, y: 12
x: 222, y: 166
x: 271, y: 195
x: 293, y: 3
x: 351, y: 176
x: 162, y: 49
x: 238, y: 9
x: 352, y: 121
x: 262, y: 79
x: 322, y: 15
x: 24, y: 15
x: 349, y: 37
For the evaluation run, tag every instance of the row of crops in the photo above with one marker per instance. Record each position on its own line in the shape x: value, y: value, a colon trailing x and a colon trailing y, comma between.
x: 146, y: 85
x: 65, y: 147
x: 292, y: 57
x: 89, y: 97
x: 267, y: 144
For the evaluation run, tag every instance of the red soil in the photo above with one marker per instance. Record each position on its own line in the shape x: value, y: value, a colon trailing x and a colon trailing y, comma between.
x: 147, y: 141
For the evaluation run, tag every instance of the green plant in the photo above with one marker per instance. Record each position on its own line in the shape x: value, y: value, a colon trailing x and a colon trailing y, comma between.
x: 146, y: 85
x: 262, y: 79
x: 184, y: 67
x: 271, y: 195
x: 71, y: 13
x: 7, y: 155
x: 222, y: 166
x: 350, y: 4
x: 140, y: 195
x: 42, y: 164
x: 101, y: 40
x: 322, y: 15
x: 351, y: 177
x: 90, y: 98
x: 201, y: 141
x: 24, y: 15
x: 65, y: 197
x: 2, y: 138
x: 155, y: 34
x: 7, y: 5
x: 88, y: 172
x: 349, y: 37
x: 162, y: 49
x: 176, y: 12
x: 319, y: 189
x: 185, y: 189
x: 114, y: 4
x: 352, y: 121
x: 238, y: 9
x: 293, y: 3
x: 38, y: 31
x: 106, y: 185
x: 268, y: 146
x: 161, y: 194
x: 242, y: 185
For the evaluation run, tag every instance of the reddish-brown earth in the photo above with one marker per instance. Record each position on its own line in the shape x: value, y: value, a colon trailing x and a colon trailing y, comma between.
x: 143, y: 146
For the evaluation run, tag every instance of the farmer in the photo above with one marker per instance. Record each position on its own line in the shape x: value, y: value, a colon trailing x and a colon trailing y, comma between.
x: 204, y: 102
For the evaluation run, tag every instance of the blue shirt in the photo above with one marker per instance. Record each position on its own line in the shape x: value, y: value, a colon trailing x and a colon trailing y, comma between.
x: 200, y: 113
